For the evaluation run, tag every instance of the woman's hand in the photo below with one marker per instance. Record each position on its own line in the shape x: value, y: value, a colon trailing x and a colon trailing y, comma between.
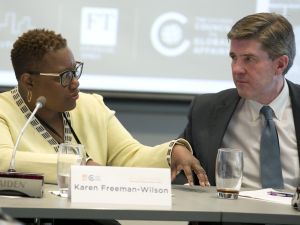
x: 182, y: 159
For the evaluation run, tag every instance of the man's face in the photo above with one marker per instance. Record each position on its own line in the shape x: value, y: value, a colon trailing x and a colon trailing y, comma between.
x: 256, y: 76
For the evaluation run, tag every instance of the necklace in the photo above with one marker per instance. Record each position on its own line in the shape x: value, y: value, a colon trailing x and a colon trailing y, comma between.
x: 45, y: 124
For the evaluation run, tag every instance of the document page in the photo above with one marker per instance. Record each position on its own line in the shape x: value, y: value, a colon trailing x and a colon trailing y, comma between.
x: 270, y: 195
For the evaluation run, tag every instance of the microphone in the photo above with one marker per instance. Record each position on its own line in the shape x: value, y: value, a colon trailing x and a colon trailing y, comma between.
x: 22, y: 184
x: 40, y: 102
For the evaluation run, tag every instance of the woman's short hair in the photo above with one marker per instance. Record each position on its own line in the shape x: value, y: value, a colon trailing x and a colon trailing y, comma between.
x: 273, y: 31
x: 30, y: 48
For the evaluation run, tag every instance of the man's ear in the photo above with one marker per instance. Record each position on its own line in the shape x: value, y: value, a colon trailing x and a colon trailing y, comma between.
x: 282, y: 63
x: 27, y: 81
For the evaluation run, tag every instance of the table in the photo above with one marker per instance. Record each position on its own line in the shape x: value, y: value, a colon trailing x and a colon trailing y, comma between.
x: 188, y: 204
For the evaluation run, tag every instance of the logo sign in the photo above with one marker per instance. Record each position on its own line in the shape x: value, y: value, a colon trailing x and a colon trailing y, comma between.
x: 99, y: 26
x: 167, y: 34
x: 121, y: 185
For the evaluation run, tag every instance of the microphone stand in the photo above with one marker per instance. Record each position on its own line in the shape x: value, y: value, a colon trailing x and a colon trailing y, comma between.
x: 12, y: 167
x: 22, y: 184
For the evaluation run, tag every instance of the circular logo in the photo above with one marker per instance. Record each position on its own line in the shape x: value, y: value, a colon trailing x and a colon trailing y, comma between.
x: 167, y: 34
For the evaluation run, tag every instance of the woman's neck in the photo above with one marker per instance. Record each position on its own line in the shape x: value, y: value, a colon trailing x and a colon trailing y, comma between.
x: 54, y: 125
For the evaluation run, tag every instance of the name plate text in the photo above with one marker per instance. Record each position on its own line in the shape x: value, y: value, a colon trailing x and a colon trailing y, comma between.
x: 121, y: 185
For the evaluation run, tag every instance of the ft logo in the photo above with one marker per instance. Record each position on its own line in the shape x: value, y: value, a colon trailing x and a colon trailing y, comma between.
x: 167, y: 34
x: 99, y: 26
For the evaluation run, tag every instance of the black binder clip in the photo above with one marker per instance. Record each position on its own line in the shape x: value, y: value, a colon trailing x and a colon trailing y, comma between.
x: 296, y: 199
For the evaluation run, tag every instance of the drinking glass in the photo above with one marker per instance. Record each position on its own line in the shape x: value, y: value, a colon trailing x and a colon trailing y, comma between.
x: 68, y: 154
x: 229, y: 172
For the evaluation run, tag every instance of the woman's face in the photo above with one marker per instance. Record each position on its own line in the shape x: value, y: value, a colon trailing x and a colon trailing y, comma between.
x: 59, y: 98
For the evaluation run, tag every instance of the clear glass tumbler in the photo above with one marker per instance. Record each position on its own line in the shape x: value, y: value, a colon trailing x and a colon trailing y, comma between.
x: 68, y: 154
x: 229, y: 172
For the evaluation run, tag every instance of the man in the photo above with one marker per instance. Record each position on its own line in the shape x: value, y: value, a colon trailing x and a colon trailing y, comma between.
x: 262, y: 49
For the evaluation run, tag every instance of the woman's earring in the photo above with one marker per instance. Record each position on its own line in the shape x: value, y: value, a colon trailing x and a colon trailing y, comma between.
x: 29, y: 96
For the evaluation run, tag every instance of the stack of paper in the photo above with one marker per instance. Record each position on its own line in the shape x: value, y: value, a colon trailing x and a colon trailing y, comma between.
x: 270, y: 195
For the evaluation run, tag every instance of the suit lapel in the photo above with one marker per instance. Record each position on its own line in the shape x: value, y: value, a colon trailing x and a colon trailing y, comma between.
x: 221, y: 116
x: 295, y: 96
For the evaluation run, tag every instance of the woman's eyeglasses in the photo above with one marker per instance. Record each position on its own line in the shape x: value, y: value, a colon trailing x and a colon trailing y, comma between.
x: 66, y: 76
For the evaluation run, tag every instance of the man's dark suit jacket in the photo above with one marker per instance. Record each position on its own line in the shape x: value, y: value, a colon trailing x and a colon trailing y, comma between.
x: 209, y: 117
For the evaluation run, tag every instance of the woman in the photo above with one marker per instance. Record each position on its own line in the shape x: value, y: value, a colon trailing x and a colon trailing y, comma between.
x: 45, y: 66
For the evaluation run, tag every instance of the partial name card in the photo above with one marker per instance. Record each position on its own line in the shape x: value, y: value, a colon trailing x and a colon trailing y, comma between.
x: 121, y: 185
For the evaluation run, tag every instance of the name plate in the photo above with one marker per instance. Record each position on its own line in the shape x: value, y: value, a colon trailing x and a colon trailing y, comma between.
x: 121, y: 185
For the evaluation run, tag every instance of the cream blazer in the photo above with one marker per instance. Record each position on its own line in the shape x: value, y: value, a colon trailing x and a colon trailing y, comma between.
x: 105, y: 140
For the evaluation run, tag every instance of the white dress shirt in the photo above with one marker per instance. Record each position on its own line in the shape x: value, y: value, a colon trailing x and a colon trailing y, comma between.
x: 244, y: 133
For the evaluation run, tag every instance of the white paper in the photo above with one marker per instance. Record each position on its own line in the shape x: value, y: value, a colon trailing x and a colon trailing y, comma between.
x: 263, y: 194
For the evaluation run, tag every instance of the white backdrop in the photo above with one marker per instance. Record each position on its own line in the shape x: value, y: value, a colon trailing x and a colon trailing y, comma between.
x: 169, y: 46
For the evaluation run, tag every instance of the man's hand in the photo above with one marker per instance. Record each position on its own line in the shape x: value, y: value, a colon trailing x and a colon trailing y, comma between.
x: 182, y: 159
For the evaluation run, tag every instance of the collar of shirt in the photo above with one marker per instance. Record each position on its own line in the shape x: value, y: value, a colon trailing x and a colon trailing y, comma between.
x: 278, y: 104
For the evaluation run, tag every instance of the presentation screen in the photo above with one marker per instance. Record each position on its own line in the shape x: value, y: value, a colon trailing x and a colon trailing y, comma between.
x: 148, y: 46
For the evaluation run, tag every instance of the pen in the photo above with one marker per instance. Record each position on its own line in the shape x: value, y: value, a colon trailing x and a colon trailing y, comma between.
x: 281, y: 194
